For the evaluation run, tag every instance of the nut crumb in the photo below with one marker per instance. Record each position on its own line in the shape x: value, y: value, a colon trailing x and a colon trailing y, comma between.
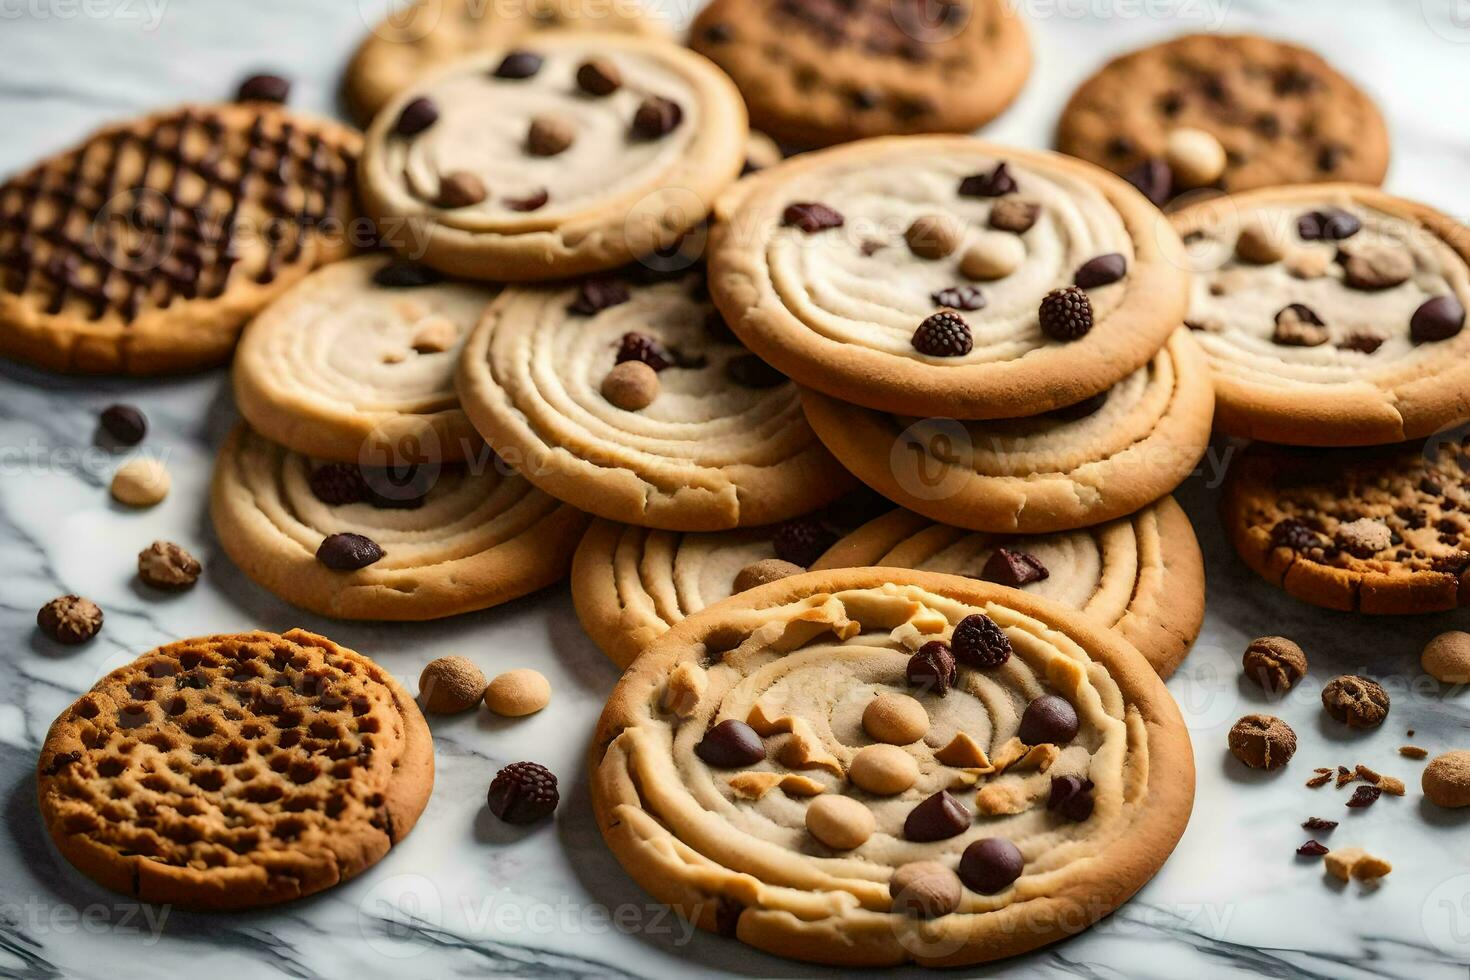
x: 1413, y: 752
x: 1323, y: 777
x: 1345, y: 776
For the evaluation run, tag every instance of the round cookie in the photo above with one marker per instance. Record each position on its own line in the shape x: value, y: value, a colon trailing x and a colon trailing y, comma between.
x: 824, y: 266
x: 1280, y: 112
x: 1142, y: 575
x: 356, y: 363
x: 504, y: 166
x: 147, y: 248
x: 449, y: 539
x: 1331, y: 315
x: 235, y: 771
x: 1093, y: 462
x: 409, y: 44
x: 716, y: 741
x: 814, y: 74
x: 720, y: 443
x: 1367, y: 530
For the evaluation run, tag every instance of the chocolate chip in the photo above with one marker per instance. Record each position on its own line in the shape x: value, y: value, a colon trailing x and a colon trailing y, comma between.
x: 1364, y: 796
x: 1317, y: 823
x: 519, y: 65
x: 718, y: 33
x: 335, y: 484
x: 1363, y: 343
x: 977, y: 641
x: 1298, y: 325
x: 1048, y: 719
x: 534, y: 201
x: 932, y: 667
x: 641, y: 347
x: 965, y: 298
x: 996, y: 183
x: 125, y: 424
x: 1439, y: 318
x: 732, y: 744
x: 399, y: 487
x: 656, y: 117
x: 944, y: 334
x: 596, y: 294
x: 1268, y: 124
x: 523, y: 792
x: 405, y: 275
x: 864, y: 99
x: 1014, y: 215
x: 548, y: 136
x: 1329, y: 158
x: 460, y: 189
x: 750, y: 371
x: 348, y: 552
x: 416, y: 117
x: 264, y: 88
x: 1071, y: 796
x: 599, y: 77
x: 1311, y: 849
x: 1291, y: 80
x: 1153, y: 179
x: 1066, y: 314
x: 1375, y: 268
x: 1013, y: 569
x: 811, y: 217
x: 802, y: 541
x: 1293, y: 533
x: 990, y: 865
x: 1329, y: 224
x: 939, y: 817
x: 1101, y: 271
x: 1080, y: 410
x: 727, y: 916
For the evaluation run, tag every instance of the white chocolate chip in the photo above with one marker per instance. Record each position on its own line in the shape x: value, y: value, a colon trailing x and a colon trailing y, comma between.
x: 140, y: 482
x: 516, y: 693
x: 994, y: 255
x: 1195, y: 157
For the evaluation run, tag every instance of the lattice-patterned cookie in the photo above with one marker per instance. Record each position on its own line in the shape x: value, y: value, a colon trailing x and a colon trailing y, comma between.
x: 398, y: 543
x: 1142, y: 575
x: 148, y: 247
x: 235, y: 771
x: 875, y: 766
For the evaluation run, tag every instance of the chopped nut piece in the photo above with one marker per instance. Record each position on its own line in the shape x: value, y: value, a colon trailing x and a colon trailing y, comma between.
x: 1321, y: 779
x: 963, y: 752
x: 1001, y: 799
x: 1345, y: 776
x: 1413, y: 752
x: 686, y: 685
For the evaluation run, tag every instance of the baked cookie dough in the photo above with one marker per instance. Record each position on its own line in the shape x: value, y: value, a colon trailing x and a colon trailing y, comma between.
x: 235, y: 771
x: 1280, y: 113
x: 1142, y: 575
x: 944, y: 276
x: 356, y: 543
x: 633, y: 402
x: 1375, y: 531
x: 147, y: 248
x: 814, y: 74
x: 718, y: 743
x: 1331, y: 315
x: 408, y: 44
x: 356, y: 363
x: 572, y: 153
x: 1089, y: 463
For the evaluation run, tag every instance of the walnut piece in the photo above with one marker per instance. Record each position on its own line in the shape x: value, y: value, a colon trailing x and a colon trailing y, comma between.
x: 164, y: 565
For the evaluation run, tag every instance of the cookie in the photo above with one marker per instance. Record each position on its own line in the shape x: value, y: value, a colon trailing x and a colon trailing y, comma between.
x: 574, y: 153
x: 411, y: 43
x: 148, y: 247
x: 1332, y: 315
x: 356, y: 363
x: 1376, y: 531
x: 1142, y: 575
x: 814, y: 74
x: 1046, y: 788
x: 714, y: 439
x: 1092, y: 462
x: 945, y: 276
x: 1280, y: 114
x: 235, y: 771
x: 380, y: 544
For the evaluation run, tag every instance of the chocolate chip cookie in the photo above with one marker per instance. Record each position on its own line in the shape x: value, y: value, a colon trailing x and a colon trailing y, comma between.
x: 1331, y: 315
x: 876, y: 766
x: 148, y: 247
x: 564, y: 155
x: 1277, y: 114
x: 1375, y: 531
x: 824, y: 72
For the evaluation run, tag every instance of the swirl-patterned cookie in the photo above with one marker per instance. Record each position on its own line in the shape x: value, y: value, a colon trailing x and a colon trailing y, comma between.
x: 357, y: 543
x: 408, y: 44
x: 356, y: 363
x: 1095, y: 461
x: 1375, y: 531
x: 1141, y: 575
x: 234, y: 772
x: 874, y: 766
x: 826, y: 72
x: 1332, y: 315
x: 573, y: 153
x: 935, y: 275
x: 633, y: 402
x: 148, y: 247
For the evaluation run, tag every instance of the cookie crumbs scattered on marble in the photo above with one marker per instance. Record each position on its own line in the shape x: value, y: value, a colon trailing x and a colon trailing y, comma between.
x: 1322, y: 778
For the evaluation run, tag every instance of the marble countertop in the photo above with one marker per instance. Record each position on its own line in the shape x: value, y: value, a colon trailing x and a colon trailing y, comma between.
x: 468, y: 895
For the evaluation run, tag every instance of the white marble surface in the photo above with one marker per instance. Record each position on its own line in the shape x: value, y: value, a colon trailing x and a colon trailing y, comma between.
x: 465, y: 895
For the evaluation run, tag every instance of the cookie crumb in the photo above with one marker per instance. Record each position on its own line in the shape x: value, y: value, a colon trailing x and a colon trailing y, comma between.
x: 1413, y: 752
x: 1353, y: 862
x: 1323, y: 777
